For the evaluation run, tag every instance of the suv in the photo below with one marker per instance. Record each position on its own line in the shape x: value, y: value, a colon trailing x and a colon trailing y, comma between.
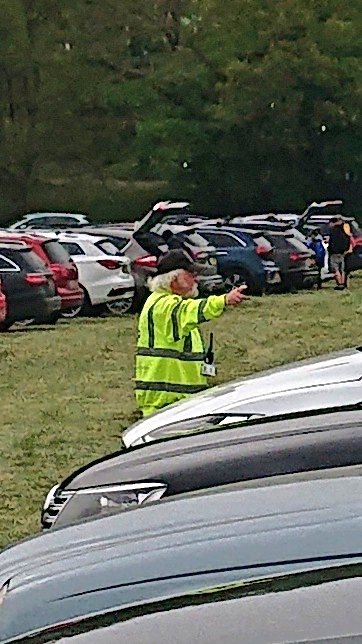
x: 64, y: 270
x: 28, y: 285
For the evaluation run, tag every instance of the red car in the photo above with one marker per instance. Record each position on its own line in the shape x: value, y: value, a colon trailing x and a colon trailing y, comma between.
x: 64, y: 270
x: 3, y: 306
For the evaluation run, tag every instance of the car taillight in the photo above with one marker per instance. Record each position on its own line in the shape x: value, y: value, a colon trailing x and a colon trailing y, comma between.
x: 36, y: 279
x: 297, y: 257
x: 150, y: 261
x: 111, y: 264
x: 60, y: 270
x: 262, y: 250
x: 356, y: 241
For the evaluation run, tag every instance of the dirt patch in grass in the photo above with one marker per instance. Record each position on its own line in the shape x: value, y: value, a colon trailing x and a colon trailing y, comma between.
x: 67, y: 392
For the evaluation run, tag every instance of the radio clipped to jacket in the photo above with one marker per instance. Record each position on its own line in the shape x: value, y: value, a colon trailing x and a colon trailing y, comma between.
x: 208, y: 367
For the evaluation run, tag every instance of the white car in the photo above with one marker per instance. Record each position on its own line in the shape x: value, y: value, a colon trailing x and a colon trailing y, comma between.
x: 104, y: 273
x: 43, y: 220
x: 326, y: 382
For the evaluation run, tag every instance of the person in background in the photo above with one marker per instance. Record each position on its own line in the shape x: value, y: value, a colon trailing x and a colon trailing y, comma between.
x: 339, y: 244
x: 314, y: 241
x: 171, y: 361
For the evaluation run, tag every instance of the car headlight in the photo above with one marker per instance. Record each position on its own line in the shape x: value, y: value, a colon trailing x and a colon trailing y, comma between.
x: 63, y: 507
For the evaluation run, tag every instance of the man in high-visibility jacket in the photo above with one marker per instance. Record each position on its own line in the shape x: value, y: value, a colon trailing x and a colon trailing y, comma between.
x: 170, y: 360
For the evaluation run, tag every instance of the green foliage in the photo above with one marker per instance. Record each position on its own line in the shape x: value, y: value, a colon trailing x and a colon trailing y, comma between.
x: 250, y: 104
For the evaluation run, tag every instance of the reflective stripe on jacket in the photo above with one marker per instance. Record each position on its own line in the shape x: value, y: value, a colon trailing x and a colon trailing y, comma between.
x: 170, y: 349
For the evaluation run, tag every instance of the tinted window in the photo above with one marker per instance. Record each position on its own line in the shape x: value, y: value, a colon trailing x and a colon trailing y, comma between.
x: 280, y: 242
x: 72, y: 248
x: 6, y: 265
x: 31, y: 262
x: 120, y: 242
x: 298, y: 245
x: 107, y: 246
x: 56, y: 252
x: 221, y: 240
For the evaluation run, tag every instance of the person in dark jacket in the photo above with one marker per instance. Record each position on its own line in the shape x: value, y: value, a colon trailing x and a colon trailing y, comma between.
x: 338, y: 246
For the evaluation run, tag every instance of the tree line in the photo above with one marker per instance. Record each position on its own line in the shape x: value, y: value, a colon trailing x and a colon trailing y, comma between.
x: 235, y: 106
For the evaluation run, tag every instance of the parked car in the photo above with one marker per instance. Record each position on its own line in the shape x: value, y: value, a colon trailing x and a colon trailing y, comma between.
x: 237, y: 259
x: 50, y: 220
x: 322, y: 222
x: 28, y: 285
x: 105, y: 278
x: 3, y: 304
x: 202, y: 453
x: 282, y: 539
x: 295, y: 387
x: 59, y: 262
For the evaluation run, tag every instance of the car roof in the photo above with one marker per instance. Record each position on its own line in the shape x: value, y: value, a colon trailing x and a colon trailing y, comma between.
x: 296, y: 386
x: 182, y: 545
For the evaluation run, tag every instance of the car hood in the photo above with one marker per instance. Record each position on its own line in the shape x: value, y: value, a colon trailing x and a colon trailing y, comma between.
x: 262, y: 393
x: 179, y: 546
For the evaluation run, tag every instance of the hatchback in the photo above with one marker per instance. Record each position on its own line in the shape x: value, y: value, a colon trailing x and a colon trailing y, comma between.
x: 64, y: 270
x: 28, y: 285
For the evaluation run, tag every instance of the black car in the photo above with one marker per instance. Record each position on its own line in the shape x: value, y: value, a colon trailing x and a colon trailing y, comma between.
x: 203, y: 453
x: 296, y: 262
x: 28, y: 285
x: 291, y: 545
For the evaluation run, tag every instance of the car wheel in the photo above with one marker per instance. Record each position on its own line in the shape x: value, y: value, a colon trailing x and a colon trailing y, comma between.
x: 68, y: 314
x: 24, y: 323
x: 233, y: 280
x: 120, y: 307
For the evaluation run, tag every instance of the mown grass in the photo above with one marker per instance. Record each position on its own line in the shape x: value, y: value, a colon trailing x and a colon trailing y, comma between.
x: 66, y: 392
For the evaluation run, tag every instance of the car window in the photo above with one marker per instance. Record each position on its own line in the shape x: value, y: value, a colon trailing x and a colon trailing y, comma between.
x: 72, y: 248
x: 31, y: 261
x: 56, y: 252
x: 280, y: 242
x: 6, y: 265
x: 220, y: 240
x: 297, y: 244
x: 107, y: 246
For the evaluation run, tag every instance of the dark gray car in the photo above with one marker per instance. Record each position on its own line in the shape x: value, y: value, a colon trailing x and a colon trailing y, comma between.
x: 203, y: 453
x: 256, y: 538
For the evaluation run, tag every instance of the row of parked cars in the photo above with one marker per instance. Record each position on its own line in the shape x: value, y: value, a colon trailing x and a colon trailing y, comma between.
x: 233, y: 516
x: 105, y: 268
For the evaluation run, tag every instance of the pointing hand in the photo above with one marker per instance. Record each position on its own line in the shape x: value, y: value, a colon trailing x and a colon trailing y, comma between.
x: 236, y: 296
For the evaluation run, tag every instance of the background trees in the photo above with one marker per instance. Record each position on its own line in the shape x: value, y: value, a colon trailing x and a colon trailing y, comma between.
x: 249, y: 104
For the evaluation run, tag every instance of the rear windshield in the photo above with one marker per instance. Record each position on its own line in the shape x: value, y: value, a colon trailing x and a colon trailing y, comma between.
x: 28, y: 260
x: 297, y: 244
x: 56, y: 252
x: 107, y: 246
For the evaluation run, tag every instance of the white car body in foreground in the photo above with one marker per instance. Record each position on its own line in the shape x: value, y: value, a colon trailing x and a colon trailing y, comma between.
x: 328, y: 381
x: 104, y: 274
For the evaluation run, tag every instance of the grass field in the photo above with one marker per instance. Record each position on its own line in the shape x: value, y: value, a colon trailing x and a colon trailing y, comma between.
x: 66, y: 392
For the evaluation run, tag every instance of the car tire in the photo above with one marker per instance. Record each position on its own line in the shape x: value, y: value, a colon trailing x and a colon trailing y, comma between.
x: 120, y: 307
x: 242, y: 277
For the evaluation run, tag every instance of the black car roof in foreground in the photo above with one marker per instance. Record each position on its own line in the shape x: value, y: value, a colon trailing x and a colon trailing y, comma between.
x: 206, y: 427
x: 186, y: 544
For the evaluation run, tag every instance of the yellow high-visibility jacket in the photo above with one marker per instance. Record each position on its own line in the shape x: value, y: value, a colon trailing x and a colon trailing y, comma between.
x: 170, y: 349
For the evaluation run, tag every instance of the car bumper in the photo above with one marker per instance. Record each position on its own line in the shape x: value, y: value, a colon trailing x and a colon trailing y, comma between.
x: 70, y: 298
x: 48, y: 307
x: 111, y: 290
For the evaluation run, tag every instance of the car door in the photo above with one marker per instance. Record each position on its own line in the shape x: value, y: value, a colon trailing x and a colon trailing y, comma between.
x: 230, y: 252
